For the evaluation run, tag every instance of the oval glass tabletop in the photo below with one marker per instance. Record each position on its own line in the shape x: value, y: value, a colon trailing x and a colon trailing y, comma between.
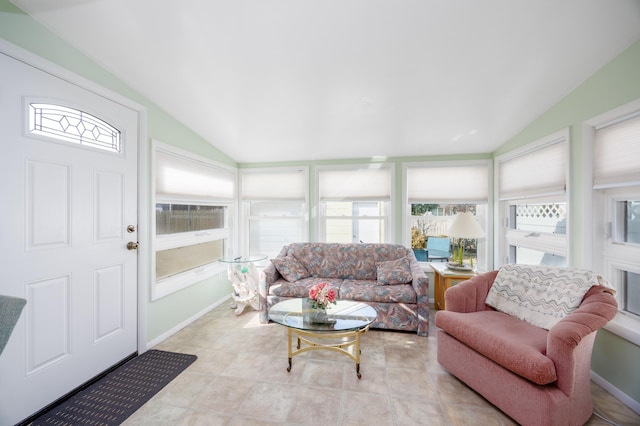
x: 343, y: 316
x: 242, y: 259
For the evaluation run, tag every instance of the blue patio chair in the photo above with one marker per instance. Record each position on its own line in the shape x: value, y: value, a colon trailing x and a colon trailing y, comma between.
x: 438, y: 249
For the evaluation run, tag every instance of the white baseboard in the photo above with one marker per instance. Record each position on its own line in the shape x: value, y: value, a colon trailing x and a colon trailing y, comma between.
x: 185, y: 323
x: 624, y: 398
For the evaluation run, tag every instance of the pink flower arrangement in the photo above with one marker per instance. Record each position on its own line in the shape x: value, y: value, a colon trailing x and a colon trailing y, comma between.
x: 320, y: 296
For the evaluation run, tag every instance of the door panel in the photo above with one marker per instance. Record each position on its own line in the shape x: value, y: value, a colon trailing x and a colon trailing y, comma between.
x: 67, y: 205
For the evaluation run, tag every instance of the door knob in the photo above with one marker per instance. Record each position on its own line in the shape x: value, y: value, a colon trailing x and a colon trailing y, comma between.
x: 132, y: 246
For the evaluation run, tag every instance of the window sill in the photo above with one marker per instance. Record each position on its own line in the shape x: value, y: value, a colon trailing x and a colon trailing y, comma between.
x: 625, y: 327
x: 178, y: 282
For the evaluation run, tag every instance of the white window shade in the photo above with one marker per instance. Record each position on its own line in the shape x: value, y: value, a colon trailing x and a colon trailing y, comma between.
x: 617, y: 154
x: 359, y: 184
x: 465, y: 183
x: 289, y: 185
x: 537, y: 173
x: 183, y: 177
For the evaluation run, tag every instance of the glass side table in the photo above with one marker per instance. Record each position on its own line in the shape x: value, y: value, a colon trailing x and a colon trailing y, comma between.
x: 244, y: 277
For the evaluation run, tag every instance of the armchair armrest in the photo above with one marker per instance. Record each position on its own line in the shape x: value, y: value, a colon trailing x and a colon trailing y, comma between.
x: 469, y: 295
x: 570, y: 341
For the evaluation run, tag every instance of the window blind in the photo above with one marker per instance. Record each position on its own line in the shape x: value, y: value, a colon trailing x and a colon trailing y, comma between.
x: 464, y: 183
x: 356, y: 184
x: 536, y: 173
x: 189, y: 178
x: 616, y: 153
x: 274, y: 185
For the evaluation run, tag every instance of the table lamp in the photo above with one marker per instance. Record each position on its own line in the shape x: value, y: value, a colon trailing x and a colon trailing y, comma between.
x: 463, y: 227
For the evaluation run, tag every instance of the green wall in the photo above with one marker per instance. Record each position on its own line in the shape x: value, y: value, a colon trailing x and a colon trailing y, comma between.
x: 23, y: 31
x: 615, y: 359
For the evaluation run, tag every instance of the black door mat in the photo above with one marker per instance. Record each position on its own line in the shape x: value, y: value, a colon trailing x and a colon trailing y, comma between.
x: 116, y: 396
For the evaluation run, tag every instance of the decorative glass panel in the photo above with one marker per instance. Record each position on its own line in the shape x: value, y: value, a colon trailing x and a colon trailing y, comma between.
x: 181, y: 259
x: 548, y: 218
x: 72, y: 125
x: 176, y: 218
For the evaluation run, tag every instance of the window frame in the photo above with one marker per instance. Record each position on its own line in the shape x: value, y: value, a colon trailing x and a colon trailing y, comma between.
x: 193, y: 276
x: 617, y: 257
x: 388, y: 219
x: 547, y: 242
x: 485, y: 245
x: 246, y: 211
x: 603, y: 255
x: 353, y: 218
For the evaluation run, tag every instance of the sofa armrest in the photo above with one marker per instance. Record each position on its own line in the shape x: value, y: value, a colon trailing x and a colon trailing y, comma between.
x: 420, y: 284
x: 419, y: 279
x: 469, y: 295
x: 271, y: 275
x: 570, y: 341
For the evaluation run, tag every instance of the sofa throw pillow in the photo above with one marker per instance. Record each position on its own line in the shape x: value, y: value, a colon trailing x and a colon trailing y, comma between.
x: 394, y: 272
x: 540, y: 295
x: 290, y: 268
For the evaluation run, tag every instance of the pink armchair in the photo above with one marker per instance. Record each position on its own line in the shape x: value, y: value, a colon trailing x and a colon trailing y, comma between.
x: 535, y: 376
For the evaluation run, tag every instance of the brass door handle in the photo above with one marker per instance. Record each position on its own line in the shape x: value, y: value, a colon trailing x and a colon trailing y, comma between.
x: 132, y: 246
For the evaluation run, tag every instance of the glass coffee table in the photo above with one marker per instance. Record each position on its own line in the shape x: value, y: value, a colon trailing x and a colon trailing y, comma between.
x: 340, y: 331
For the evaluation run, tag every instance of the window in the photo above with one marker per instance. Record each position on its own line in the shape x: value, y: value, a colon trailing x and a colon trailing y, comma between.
x: 614, y: 142
x: 355, y: 221
x: 193, y: 206
x: 207, y: 223
x: 532, y: 231
x: 72, y: 125
x: 274, y: 209
x: 532, y: 188
x: 435, y: 192
x: 355, y: 204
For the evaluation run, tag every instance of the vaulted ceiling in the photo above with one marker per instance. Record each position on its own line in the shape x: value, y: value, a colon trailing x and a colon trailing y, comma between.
x: 298, y: 80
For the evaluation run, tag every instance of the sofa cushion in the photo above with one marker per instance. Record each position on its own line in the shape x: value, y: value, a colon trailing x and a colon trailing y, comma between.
x: 540, y: 295
x: 514, y: 344
x: 344, y: 261
x: 396, y: 271
x: 369, y: 291
x: 290, y: 269
x: 301, y: 288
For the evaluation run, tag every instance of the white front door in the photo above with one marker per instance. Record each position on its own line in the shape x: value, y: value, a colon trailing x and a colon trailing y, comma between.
x: 66, y: 209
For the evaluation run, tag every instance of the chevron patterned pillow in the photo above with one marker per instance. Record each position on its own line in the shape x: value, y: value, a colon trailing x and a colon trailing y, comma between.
x: 540, y: 295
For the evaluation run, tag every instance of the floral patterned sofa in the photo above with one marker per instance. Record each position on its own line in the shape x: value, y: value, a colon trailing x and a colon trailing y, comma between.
x: 386, y: 276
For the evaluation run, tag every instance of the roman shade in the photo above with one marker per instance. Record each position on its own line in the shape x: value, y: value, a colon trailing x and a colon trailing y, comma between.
x: 372, y: 183
x: 617, y: 153
x: 538, y: 172
x: 192, y: 179
x: 448, y: 183
x: 274, y: 185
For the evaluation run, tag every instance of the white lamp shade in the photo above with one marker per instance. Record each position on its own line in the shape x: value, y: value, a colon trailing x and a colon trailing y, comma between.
x: 464, y: 225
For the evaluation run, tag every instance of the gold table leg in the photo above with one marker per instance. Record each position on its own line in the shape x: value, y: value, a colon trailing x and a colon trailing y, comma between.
x: 305, y: 337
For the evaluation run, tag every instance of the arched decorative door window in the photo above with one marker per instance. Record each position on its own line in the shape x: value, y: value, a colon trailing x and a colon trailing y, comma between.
x: 72, y: 125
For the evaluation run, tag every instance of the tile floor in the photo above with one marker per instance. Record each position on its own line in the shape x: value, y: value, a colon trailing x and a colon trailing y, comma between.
x: 240, y: 378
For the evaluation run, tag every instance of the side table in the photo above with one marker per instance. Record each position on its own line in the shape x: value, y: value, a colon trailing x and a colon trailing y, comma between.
x: 444, y: 278
x: 244, y: 278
